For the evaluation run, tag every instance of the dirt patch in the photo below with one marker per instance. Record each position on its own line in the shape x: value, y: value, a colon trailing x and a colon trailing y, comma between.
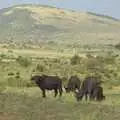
x: 9, y: 116
x: 116, y: 87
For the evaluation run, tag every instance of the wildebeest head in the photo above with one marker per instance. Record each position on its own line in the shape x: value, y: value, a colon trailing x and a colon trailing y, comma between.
x: 73, y: 84
x: 78, y: 95
x: 66, y: 89
x: 35, y: 78
x: 38, y: 78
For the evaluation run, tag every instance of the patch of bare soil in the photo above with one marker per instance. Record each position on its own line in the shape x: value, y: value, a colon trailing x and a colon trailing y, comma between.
x: 9, y: 116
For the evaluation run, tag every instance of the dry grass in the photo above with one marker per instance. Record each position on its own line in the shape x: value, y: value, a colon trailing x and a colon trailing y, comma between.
x: 8, y: 12
x: 28, y: 104
x: 38, y: 53
x: 49, y: 12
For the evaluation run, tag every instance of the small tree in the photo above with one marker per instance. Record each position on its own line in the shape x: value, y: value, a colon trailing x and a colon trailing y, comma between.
x: 40, y: 68
x: 75, y: 59
x: 117, y: 46
x: 23, y: 61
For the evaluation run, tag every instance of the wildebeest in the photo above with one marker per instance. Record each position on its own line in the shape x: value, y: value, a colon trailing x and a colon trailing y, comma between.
x: 73, y: 84
x: 87, y: 88
x: 98, y: 93
x: 48, y: 83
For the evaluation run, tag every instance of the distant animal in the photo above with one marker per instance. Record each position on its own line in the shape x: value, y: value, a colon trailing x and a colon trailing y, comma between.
x: 73, y: 84
x: 98, y: 93
x: 45, y: 82
x: 87, y: 88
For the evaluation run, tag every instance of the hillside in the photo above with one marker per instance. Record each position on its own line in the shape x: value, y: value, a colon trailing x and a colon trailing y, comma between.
x: 34, y: 24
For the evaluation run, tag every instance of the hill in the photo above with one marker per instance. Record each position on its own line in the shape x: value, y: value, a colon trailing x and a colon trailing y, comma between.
x: 36, y: 24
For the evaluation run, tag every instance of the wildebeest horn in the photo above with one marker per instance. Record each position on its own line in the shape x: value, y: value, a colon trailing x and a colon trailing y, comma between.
x: 32, y: 74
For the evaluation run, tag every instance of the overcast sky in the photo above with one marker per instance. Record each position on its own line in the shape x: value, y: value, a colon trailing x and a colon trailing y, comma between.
x: 107, y: 7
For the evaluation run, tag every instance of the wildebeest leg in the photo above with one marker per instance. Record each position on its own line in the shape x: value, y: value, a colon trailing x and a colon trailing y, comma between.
x: 56, y: 92
x: 94, y: 96
x: 60, y: 92
x: 86, y: 96
x: 43, y: 93
x: 91, y: 96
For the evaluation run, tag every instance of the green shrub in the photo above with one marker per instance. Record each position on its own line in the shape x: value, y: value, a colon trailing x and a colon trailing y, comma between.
x: 117, y: 46
x: 75, y: 59
x: 2, y: 55
x: 40, y: 68
x: 24, y: 61
x: 10, y: 73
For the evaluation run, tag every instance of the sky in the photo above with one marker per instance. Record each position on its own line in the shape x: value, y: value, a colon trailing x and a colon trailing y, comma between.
x: 106, y: 7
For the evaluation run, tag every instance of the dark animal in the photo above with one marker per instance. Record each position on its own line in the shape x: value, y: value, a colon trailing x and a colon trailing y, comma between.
x: 87, y: 88
x: 98, y: 93
x: 73, y: 84
x: 48, y: 83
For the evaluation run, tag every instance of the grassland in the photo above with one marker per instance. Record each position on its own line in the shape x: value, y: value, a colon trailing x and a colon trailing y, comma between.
x: 31, y: 26
x: 20, y: 99
x: 36, y: 39
x: 27, y: 104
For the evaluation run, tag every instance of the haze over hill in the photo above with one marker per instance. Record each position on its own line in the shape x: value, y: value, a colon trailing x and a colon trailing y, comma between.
x: 34, y: 24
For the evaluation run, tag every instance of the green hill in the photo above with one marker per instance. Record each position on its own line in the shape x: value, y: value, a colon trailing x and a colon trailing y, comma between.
x: 34, y: 24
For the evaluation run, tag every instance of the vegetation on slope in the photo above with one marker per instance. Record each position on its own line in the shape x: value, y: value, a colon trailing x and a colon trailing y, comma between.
x: 43, y: 25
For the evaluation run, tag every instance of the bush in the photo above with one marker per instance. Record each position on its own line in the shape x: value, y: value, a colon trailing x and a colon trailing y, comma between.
x: 92, y: 64
x: 10, y: 74
x: 23, y: 61
x: 75, y: 60
x: 89, y: 56
x: 117, y: 46
x: 40, y: 68
x: 2, y: 55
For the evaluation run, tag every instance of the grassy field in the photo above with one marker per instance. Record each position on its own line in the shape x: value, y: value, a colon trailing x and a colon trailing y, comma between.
x: 27, y: 104
x: 21, y: 100
x: 38, y: 53
x: 54, y: 28
x: 43, y: 39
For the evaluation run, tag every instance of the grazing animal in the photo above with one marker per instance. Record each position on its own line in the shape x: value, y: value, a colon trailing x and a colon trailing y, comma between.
x: 48, y: 83
x: 98, y: 93
x: 73, y: 84
x: 87, y: 88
